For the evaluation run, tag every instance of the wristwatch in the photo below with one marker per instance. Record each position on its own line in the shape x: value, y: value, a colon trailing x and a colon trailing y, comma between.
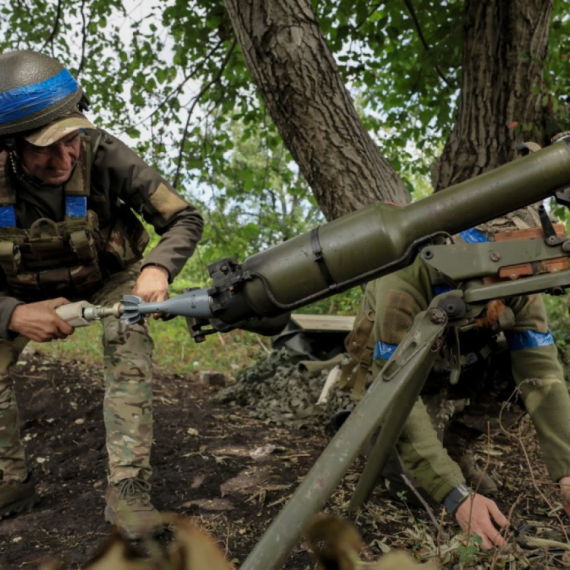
x: 456, y: 498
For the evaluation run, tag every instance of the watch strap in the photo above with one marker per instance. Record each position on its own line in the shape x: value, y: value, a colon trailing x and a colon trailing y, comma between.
x: 456, y: 498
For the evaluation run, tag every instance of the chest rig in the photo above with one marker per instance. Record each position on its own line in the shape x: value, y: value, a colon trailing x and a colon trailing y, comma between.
x: 51, y: 258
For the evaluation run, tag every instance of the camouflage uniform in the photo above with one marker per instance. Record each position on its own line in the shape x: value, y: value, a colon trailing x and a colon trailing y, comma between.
x: 387, y: 312
x: 118, y: 179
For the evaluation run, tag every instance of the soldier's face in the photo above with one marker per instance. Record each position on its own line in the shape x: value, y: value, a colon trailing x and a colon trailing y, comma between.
x: 51, y: 164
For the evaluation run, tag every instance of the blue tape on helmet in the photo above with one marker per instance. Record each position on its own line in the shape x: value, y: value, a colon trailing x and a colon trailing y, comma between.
x: 384, y: 350
x: 528, y: 339
x: 23, y: 101
x: 473, y: 235
x: 76, y: 206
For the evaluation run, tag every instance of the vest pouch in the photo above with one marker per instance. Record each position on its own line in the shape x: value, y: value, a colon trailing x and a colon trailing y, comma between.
x: 57, y: 279
x: 25, y: 286
x: 127, y: 238
x: 10, y: 257
x: 83, y: 244
x: 358, y: 337
x: 46, y: 240
x: 86, y: 277
x: 360, y: 345
x: 84, y: 235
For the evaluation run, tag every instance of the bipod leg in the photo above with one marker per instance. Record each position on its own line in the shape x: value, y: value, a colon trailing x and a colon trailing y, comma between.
x: 409, y: 366
x: 274, y: 547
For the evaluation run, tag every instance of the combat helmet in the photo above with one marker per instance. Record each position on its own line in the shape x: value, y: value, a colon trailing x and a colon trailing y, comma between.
x: 35, y: 90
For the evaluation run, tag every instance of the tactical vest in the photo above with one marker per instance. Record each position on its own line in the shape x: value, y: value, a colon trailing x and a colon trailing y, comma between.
x: 52, y: 259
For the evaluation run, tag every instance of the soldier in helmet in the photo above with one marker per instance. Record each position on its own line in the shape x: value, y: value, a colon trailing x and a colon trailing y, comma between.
x: 68, y: 191
x: 511, y: 346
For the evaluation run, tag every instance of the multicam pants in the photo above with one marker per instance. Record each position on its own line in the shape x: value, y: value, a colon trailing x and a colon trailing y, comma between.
x: 127, y: 406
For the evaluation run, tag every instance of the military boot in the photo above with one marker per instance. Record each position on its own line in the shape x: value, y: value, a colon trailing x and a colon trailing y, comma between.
x: 17, y: 496
x: 130, y: 510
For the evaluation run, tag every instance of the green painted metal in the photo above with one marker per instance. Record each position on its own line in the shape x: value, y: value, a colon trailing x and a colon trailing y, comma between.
x: 406, y: 365
x: 526, y: 286
x: 379, y: 239
x: 471, y: 260
x: 415, y: 354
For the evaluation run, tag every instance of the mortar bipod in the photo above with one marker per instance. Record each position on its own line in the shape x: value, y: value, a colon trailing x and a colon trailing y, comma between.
x: 397, y: 386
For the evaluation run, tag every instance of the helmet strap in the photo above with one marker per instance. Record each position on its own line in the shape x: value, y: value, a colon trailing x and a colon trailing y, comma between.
x: 84, y: 103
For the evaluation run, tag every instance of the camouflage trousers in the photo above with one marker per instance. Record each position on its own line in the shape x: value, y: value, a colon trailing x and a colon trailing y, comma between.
x: 127, y: 405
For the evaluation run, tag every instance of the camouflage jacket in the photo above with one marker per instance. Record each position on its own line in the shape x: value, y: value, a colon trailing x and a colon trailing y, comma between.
x: 120, y: 183
x: 389, y: 307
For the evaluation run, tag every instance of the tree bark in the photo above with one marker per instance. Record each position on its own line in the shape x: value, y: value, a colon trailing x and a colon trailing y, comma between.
x: 505, y: 44
x: 303, y: 91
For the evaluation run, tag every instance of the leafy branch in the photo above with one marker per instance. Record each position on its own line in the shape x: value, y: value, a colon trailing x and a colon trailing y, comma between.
x: 202, y: 92
x: 55, y: 28
x: 412, y: 12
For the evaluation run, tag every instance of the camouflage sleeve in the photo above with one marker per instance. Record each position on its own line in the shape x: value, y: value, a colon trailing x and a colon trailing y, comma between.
x: 540, y: 380
x: 125, y: 175
x: 399, y: 297
x: 7, y: 306
x: 424, y: 455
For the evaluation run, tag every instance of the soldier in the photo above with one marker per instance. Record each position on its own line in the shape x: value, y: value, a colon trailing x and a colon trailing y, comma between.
x: 514, y: 332
x: 68, y: 232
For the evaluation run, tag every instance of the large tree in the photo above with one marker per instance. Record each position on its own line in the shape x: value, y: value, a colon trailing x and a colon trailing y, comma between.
x: 502, y: 97
x: 502, y: 87
x: 302, y: 88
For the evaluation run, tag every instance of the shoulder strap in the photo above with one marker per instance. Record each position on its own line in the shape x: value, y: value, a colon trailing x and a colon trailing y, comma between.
x: 7, y: 194
x: 7, y: 191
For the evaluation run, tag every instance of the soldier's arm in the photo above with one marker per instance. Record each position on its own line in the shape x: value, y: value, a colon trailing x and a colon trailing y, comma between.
x: 540, y: 380
x: 399, y: 298
x: 146, y: 192
x: 36, y: 321
x: 7, y: 306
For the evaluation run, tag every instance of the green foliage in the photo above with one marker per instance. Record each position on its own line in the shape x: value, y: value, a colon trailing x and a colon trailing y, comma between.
x: 175, y: 352
x: 468, y: 552
x: 556, y: 69
x: 402, y: 495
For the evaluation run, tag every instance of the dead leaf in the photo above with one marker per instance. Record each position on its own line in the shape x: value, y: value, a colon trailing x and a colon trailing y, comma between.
x: 265, y: 450
x: 193, y: 549
x: 399, y: 560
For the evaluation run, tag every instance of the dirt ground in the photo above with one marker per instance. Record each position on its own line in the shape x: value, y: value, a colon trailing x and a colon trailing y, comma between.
x: 209, y: 464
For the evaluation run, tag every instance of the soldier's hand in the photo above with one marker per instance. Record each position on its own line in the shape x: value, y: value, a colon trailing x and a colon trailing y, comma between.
x: 152, y: 285
x: 477, y: 514
x: 39, y: 321
x: 565, y: 491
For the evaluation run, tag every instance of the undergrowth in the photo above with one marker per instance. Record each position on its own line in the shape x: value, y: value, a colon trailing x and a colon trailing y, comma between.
x: 174, y: 351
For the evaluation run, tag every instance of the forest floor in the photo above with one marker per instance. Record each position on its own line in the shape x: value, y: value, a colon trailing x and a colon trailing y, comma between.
x: 232, y: 474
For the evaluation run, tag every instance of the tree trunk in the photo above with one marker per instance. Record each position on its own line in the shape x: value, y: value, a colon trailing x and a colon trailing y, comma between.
x: 303, y: 91
x: 501, y: 99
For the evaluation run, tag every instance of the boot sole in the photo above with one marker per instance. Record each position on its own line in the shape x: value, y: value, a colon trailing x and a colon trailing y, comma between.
x: 110, y: 514
x: 17, y: 507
